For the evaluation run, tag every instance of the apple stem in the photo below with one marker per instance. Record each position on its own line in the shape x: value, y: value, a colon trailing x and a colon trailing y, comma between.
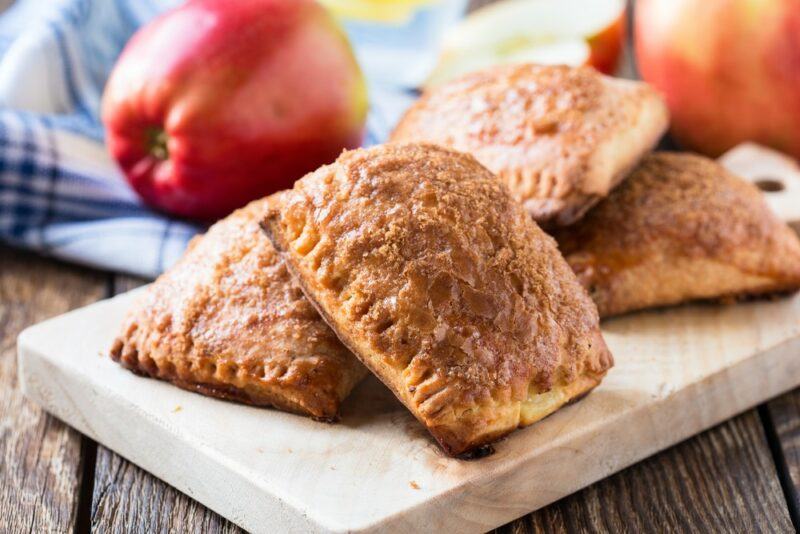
x: 157, y: 143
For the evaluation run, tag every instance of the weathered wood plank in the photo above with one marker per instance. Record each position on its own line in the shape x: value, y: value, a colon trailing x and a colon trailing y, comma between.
x: 40, y: 457
x: 125, y: 495
x: 722, y: 480
x: 127, y: 498
x: 783, y: 422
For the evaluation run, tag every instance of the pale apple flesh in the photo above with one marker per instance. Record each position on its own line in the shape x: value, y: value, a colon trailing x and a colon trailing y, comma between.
x: 729, y: 70
x: 550, y: 32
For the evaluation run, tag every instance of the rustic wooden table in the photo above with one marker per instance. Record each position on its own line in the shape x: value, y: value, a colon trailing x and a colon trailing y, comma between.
x: 743, y: 475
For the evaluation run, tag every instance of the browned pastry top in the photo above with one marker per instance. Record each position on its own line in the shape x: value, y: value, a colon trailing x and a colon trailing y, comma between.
x: 560, y: 137
x: 680, y: 206
x: 229, y: 321
x: 441, y: 283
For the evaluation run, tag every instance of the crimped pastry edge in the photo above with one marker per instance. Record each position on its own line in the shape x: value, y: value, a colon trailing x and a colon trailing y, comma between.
x: 279, y: 397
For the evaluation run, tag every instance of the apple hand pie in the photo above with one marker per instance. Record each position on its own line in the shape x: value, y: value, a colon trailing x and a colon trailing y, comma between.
x: 228, y: 321
x: 429, y: 271
x: 680, y: 228
x: 561, y: 138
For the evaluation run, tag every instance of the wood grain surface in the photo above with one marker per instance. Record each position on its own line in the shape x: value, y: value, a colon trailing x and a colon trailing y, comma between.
x: 782, y: 422
x: 723, y: 478
x: 127, y: 498
x: 41, y: 459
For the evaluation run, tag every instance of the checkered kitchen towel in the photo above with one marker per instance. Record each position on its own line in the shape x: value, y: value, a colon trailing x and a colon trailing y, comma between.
x: 59, y: 191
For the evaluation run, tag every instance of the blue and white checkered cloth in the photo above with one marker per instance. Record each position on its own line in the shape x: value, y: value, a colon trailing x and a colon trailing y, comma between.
x: 60, y: 193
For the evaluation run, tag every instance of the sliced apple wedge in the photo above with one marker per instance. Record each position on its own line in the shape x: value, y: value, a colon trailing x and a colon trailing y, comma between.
x: 569, y: 32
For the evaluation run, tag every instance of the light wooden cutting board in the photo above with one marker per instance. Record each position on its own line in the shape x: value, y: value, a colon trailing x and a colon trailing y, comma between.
x: 677, y: 372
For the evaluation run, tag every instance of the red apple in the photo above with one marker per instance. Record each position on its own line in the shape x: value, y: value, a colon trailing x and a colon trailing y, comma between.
x: 729, y: 69
x: 569, y: 32
x: 216, y: 103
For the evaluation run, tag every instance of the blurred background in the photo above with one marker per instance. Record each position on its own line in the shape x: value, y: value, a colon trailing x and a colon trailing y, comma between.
x: 92, y: 174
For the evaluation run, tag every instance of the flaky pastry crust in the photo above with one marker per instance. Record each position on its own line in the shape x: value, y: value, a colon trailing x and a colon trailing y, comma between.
x: 560, y: 137
x: 440, y: 282
x: 228, y: 321
x: 680, y: 228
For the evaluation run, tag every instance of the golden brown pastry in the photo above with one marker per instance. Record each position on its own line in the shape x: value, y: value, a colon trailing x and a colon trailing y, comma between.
x: 444, y: 287
x: 228, y: 321
x: 680, y: 228
x: 560, y: 137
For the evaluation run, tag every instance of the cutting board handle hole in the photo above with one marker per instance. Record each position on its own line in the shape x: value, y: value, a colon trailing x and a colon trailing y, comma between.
x: 770, y: 185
